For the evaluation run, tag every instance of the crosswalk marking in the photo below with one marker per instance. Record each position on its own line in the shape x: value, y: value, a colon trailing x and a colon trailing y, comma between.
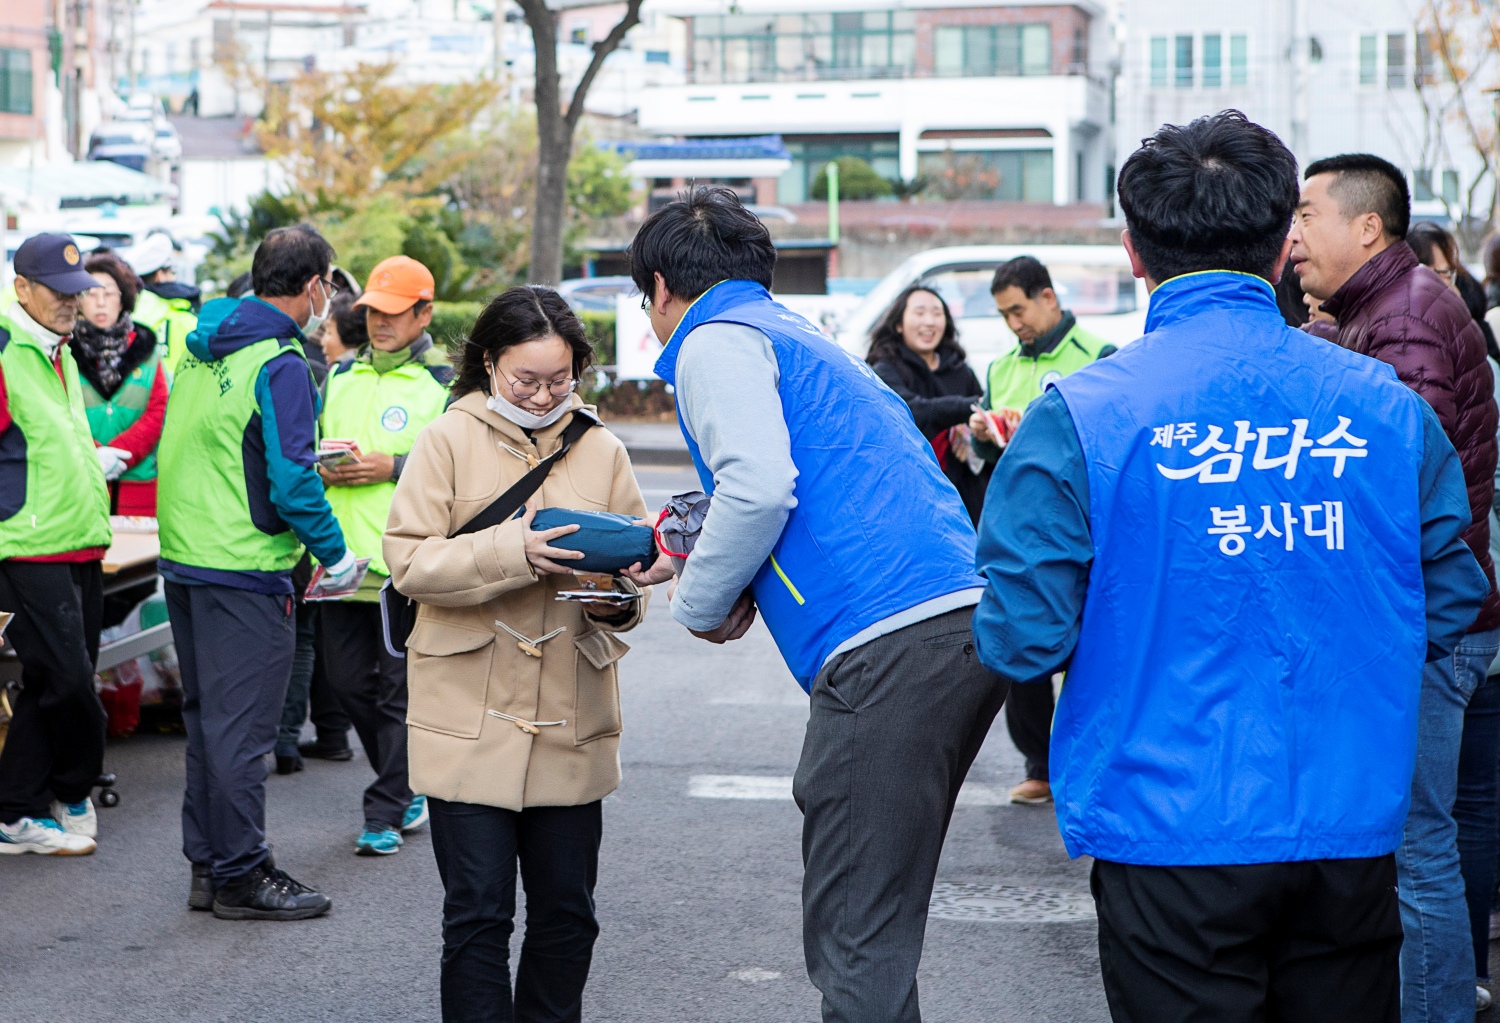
x: 761, y: 786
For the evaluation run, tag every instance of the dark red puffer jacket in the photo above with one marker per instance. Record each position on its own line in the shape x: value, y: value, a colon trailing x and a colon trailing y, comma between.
x: 1402, y: 313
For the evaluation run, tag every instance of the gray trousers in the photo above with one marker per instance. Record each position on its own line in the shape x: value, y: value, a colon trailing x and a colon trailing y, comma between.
x: 235, y: 649
x: 895, y: 726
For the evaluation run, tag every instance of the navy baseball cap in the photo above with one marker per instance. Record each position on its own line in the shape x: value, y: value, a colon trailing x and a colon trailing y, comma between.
x: 54, y: 260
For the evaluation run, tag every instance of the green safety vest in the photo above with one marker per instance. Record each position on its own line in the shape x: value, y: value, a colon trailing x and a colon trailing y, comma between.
x: 384, y: 412
x: 171, y: 319
x: 1016, y: 380
x: 108, y: 418
x: 202, y: 505
x: 63, y: 503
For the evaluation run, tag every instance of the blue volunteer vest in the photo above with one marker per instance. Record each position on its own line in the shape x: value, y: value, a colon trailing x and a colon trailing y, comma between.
x: 877, y: 528
x: 1245, y: 684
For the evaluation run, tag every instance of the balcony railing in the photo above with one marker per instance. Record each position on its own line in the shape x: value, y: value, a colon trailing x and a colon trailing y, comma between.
x: 758, y: 76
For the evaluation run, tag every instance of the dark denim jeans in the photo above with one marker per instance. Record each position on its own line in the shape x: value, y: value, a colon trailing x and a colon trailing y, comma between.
x: 1477, y: 811
x: 1437, y: 958
x: 477, y: 849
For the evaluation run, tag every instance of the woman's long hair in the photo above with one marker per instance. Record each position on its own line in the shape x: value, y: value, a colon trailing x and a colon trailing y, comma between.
x: 886, y: 341
x: 518, y: 315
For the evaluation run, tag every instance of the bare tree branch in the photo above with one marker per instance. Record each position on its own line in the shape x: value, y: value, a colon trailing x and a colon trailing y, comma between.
x: 602, y: 50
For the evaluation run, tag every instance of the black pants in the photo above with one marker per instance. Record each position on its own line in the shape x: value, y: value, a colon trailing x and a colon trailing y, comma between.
x: 477, y: 850
x: 1311, y: 942
x: 235, y: 649
x: 371, y: 687
x: 894, y: 728
x: 1028, y: 719
x: 56, y: 742
x: 309, y: 689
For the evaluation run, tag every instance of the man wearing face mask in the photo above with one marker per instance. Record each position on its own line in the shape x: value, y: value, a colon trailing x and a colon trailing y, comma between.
x: 238, y: 497
x: 380, y: 399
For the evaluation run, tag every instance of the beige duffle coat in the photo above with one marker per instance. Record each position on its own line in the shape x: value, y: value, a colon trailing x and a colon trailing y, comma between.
x: 489, y: 722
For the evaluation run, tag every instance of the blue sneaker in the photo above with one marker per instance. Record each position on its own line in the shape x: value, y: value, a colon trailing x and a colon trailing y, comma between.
x: 416, y: 814
x: 378, y: 842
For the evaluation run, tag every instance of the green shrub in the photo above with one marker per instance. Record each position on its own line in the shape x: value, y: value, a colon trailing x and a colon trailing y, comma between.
x: 857, y: 180
x: 600, y: 327
x: 452, y: 321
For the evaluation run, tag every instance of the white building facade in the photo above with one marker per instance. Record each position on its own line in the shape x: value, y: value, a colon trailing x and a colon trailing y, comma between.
x: 992, y: 100
x: 1329, y: 77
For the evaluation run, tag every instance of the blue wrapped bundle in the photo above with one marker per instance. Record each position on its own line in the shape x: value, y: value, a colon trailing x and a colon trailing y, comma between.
x: 609, y: 542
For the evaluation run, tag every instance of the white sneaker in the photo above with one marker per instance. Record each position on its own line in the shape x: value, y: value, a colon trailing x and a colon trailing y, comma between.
x: 77, y: 818
x: 1482, y: 999
x: 44, y: 836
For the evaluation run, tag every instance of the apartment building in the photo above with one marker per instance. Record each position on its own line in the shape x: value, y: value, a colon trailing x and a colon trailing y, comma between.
x: 992, y: 99
x: 1329, y: 77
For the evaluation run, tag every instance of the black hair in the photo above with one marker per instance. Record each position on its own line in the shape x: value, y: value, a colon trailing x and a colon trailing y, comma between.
x: 239, y: 287
x: 702, y: 237
x: 125, y: 278
x: 1364, y: 183
x: 287, y: 258
x: 1024, y: 272
x: 529, y: 312
x: 349, y: 318
x: 886, y: 341
x: 1427, y: 238
x: 1290, y: 297
x: 1216, y: 194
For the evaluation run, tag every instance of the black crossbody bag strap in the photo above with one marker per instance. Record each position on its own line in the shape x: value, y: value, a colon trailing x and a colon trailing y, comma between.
x: 510, y: 502
x: 398, y: 612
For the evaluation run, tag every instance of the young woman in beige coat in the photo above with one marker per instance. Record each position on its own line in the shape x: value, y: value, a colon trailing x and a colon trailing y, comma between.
x: 514, y: 716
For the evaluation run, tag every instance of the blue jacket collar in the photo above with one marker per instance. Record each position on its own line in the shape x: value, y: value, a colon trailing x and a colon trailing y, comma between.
x: 228, y: 324
x: 1194, y: 294
x: 722, y: 296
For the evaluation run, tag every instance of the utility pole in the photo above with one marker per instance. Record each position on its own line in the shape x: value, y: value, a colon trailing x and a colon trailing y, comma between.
x: 1300, y: 57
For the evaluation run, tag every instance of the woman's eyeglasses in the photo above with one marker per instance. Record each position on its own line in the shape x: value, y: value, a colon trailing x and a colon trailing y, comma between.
x: 530, y: 388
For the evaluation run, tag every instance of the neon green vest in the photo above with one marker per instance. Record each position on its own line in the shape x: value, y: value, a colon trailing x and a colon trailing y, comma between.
x: 384, y: 412
x: 202, y: 505
x: 1015, y: 380
x: 171, y: 319
x: 108, y: 418
x: 63, y: 504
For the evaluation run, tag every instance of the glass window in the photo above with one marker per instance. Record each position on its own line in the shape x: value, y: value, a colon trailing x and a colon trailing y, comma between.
x: 1369, y: 57
x: 1036, y: 49
x: 877, y: 51
x: 948, y: 50
x: 1212, y: 61
x: 904, y: 50
x: 1023, y: 175
x: 1239, y: 60
x: 1008, y: 50
x: 877, y: 21
x: 15, y: 81
x: 979, y: 50
x: 1159, y: 60
x: 904, y: 21
x: 1091, y: 290
x: 1450, y: 187
x: 1421, y: 185
x: 1395, y: 60
x: 1424, y: 60
x: 1183, y: 62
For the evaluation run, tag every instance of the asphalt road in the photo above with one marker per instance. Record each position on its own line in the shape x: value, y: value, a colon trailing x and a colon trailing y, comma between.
x: 698, y: 895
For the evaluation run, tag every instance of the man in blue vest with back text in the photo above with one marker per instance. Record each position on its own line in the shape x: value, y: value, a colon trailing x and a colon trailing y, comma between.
x: 1244, y: 543
x: 831, y: 517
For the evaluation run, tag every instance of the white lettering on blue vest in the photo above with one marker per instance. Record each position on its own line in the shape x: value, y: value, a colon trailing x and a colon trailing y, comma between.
x: 1338, y: 444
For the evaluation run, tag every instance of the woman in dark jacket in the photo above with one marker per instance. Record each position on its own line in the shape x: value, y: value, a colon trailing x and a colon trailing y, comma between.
x: 915, y: 350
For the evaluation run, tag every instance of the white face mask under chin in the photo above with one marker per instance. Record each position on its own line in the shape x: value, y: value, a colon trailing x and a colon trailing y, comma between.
x: 522, y: 418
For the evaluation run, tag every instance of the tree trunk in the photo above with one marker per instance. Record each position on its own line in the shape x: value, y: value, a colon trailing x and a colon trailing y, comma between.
x: 555, y: 129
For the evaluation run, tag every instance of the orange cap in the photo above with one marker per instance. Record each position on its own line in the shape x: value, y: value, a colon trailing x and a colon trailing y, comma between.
x: 396, y: 284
